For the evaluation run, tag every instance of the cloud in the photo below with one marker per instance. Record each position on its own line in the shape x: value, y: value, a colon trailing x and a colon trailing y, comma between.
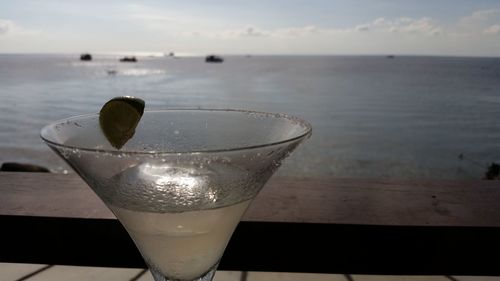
x: 6, y: 26
x: 248, y: 31
x: 362, y: 27
x: 477, y: 23
x: 494, y: 29
x: 378, y: 23
x: 481, y: 22
x: 480, y: 16
x: 253, y: 31
x: 422, y: 26
x: 299, y: 31
x: 425, y: 26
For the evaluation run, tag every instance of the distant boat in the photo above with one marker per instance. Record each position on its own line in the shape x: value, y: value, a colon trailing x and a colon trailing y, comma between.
x: 85, y: 57
x: 390, y: 56
x: 128, y: 59
x: 213, y: 58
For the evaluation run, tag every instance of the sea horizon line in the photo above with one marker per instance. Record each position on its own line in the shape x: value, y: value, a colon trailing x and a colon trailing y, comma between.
x: 192, y: 54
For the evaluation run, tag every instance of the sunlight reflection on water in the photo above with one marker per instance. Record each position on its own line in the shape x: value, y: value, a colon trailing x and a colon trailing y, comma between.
x: 408, y: 117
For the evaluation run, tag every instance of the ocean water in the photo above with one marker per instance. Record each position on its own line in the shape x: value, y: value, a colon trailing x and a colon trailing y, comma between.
x: 372, y: 117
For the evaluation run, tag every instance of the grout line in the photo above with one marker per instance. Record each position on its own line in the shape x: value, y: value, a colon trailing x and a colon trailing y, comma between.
x: 138, y: 275
x: 34, y: 272
x: 348, y: 277
x: 244, y: 276
x: 451, y: 278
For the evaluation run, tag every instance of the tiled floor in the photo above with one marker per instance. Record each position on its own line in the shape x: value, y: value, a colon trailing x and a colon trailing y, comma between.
x: 220, y: 276
x: 14, y: 271
x: 476, y: 278
x: 399, y: 278
x: 34, y: 272
x: 68, y: 273
x: 274, y: 276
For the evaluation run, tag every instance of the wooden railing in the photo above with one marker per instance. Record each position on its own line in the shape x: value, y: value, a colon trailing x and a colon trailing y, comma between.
x: 294, y: 225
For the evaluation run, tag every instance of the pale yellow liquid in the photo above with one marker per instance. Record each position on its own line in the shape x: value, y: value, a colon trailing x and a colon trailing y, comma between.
x: 182, y: 245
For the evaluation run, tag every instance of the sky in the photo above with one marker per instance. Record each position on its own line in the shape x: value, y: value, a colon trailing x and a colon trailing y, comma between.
x: 315, y: 27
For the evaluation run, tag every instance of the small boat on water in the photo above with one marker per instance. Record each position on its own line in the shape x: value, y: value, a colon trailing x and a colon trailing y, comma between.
x: 214, y: 58
x: 128, y: 59
x: 390, y: 56
x: 85, y: 57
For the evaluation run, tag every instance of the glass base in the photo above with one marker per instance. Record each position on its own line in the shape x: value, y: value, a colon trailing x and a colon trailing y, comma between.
x: 208, y: 276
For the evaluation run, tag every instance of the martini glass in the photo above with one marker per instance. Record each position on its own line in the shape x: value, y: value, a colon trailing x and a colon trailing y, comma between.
x: 182, y: 183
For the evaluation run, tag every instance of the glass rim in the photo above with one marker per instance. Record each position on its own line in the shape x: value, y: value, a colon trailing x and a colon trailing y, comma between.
x: 307, y: 132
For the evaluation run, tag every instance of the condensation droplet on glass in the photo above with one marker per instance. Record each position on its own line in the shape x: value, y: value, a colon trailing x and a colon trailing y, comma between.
x: 176, y: 132
x: 65, y: 153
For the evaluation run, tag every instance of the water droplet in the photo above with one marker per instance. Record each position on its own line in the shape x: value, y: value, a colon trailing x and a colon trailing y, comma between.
x: 65, y: 153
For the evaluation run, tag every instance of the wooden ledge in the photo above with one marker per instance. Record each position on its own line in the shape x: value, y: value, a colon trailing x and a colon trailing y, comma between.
x: 330, y: 201
x: 361, y: 226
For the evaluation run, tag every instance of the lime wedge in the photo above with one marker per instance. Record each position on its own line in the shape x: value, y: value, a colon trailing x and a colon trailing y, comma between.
x: 119, y: 118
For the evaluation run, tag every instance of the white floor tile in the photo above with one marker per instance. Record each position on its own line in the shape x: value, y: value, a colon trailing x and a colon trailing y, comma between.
x: 398, y: 278
x: 227, y: 276
x: 81, y: 273
x: 280, y: 276
x: 219, y: 276
x: 14, y: 271
x: 477, y: 278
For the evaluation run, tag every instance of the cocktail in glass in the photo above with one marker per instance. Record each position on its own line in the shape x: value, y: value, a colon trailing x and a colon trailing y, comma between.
x: 181, y: 184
